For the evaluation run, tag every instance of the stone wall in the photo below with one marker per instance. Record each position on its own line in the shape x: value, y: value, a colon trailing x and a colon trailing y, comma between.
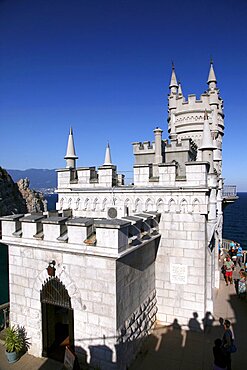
x: 90, y: 282
x: 136, y: 300
x: 182, y: 267
x: 111, y: 286
x: 184, y: 242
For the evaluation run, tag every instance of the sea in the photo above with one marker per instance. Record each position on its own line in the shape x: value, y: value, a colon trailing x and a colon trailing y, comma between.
x: 234, y: 228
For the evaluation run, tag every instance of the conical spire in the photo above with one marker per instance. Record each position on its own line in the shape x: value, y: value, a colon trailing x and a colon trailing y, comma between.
x: 207, y: 141
x: 211, y: 75
x: 173, y: 82
x: 180, y: 92
x: 108, y: 161
x: 70, y: 154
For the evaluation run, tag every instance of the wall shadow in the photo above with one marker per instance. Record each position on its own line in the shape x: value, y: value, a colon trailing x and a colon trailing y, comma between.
x: 239, y: 328
x: 176, y: 344
x: 180, y: 345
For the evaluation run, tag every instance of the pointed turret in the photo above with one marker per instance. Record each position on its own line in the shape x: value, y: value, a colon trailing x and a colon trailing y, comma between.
x: 108, y: 161
x: 70, y: 156
x: 207, y: 146
x: 211, y: 77
x: 207, y: 141
x: 173, y: 84
x: 180, y: 92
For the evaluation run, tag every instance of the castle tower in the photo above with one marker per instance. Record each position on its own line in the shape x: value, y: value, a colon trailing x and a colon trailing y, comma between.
x: 186, y: 117
x: 70, y: 156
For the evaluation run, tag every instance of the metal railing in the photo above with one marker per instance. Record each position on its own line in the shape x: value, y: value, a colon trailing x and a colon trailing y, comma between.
x: 4, y: 312
x: 226, y: 247
x: 229, y: 191
x: 226, y: 244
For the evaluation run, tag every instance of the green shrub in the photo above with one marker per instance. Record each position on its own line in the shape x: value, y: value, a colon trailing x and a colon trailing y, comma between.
x: 13, y: 341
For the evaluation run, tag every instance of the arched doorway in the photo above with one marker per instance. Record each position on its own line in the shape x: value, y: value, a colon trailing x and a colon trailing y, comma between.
x: 57, y: 319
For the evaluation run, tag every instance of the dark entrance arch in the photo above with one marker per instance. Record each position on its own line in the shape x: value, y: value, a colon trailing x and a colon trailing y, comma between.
x: 57, y: 319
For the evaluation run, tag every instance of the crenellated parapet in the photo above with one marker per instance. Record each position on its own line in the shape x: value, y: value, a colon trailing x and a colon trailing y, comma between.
x: 80, y: 234
x: 150, y: 153
x: 143, y: 147
x: 173, y: 175
x: 89, y: 177
x: 144, y: 152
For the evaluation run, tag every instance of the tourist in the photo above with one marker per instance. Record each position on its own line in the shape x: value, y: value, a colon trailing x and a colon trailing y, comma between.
x: 220, y: 361
x: 242, y: 284
x: 239, y: 255
x: 236, y: 280
x: 219, y: 251
x: 229, y: 267
x: 227, y: 341
x: 233, y: 255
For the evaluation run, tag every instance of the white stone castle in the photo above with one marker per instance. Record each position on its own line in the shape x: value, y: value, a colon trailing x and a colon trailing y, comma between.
x: 116, y: 258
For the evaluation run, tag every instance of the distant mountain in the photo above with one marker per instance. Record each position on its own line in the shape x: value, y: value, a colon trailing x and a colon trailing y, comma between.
x: 40, y: 179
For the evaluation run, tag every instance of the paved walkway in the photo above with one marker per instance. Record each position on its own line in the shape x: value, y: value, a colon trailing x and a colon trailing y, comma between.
x: 28, y: 362
x: 174, y: 348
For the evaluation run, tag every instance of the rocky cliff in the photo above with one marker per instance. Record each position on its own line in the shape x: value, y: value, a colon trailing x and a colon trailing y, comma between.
x: 17, y: 197
x: 34, y: 200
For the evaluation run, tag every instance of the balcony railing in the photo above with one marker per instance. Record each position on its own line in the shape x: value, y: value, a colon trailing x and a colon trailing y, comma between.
x: 229, y: 191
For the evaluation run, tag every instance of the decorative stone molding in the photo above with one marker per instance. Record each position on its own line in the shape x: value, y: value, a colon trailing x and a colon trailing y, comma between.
x: 68, y: 282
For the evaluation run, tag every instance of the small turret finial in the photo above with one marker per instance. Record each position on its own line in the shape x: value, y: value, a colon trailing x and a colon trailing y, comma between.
x: 70, y: 156
x: 173, y: 84
x: 211, y: 76
x: 108, y: 161
x: 180, y: 92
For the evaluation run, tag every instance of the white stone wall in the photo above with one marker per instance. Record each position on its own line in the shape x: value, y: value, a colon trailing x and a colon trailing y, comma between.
x: 182, y: 249
x: 107, y: 293
x: 184, y: 241
x: 136, y: 301
x: 91, y: 284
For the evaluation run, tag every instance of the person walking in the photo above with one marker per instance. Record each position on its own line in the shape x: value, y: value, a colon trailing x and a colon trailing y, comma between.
x: 220, y: 361
x: 227, y: 341
x: 239, y: 260
x: 229, y: 267
x: 242, y: 284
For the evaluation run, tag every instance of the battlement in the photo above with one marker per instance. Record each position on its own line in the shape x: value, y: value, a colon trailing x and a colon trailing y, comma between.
x: 193, y: 100
x: 173, y: 174
x: 82, y: 234
x: 105, y: 176
x: 143, y: 147
x: 184, y: 144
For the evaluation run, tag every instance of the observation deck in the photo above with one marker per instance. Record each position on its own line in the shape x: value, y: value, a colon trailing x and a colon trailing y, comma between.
x: 229, y: 194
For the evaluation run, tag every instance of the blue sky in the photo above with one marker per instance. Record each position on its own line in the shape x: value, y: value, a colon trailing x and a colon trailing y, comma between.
x: 103, y: 67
